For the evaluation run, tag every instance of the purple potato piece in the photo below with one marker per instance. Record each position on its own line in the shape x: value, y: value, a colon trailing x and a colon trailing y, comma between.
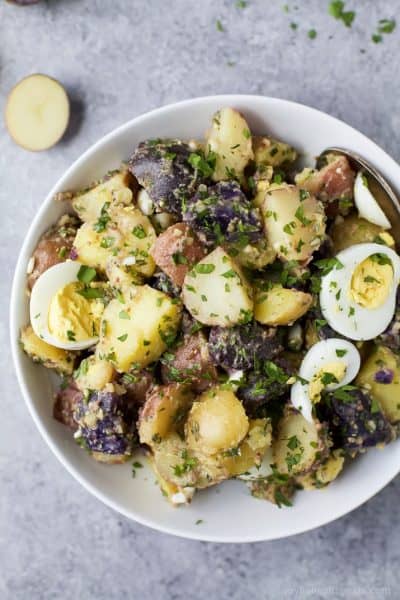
x: 243, y: 346
x: 391, y: 336
x: 355, y: 421
x: 265, y: 385
x: 221, y: 214
x: 162, y: 168
x: 106, y: 423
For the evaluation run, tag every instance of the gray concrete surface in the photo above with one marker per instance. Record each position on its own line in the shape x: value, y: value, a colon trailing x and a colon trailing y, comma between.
x: 119, y: 59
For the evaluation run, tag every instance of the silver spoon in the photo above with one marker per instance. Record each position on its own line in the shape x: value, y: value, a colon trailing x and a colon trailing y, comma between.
x: 383, y: 193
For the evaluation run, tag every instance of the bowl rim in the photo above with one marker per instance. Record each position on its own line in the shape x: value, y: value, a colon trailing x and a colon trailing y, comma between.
x: 225, y: 99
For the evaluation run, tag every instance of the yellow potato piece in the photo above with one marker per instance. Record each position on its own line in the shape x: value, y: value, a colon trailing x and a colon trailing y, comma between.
x: 37, y: 112
x: 280, y: 306
x: 50, y: 356
x: 136, y: 332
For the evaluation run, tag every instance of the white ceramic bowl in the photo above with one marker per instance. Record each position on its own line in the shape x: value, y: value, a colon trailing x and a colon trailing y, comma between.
x: 228, y: 512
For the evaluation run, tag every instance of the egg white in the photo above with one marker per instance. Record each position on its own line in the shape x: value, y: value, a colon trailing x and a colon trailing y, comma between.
x: 342, y: 313
x: 45, y: 288
x: 321, y: 354
x: 366, y: 204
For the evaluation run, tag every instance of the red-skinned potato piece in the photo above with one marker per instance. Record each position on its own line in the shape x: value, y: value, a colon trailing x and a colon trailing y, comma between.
x: 53, y: 247
x: 66, y: 401
x: 191, y: 363
x: 330, y: 184
x: 176, y: 250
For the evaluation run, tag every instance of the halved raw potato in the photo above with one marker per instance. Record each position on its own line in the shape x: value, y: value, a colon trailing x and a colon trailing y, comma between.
x: 135, y: 332
x: 294, y: 222
x: 280, y: 306
x: 114, y: 190
x: 37, y: 112
x: 216, y: 292
x: 230, y: 139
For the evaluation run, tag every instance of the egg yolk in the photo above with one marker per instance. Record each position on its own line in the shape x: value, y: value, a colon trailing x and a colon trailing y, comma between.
x: 371, y: 283
x: 329, y: 373
x: 73, y: 318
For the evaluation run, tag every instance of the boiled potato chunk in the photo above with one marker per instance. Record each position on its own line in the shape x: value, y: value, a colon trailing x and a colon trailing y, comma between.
x: 216, y: 292
x: 294, y: 222
x: 42, y: 352
x: 230, y: 139
x: 91, y: 249
x: 280, y: 306
x: 217, y: 422
x: 122, y: 235
x: 114, y: 190
x: 136, y: 332
x: 383, y: 362
x: 354, y: 230
x: 251, y: 451
x: 37, y: 112
x: 94, y: 374
x: 299, y: 445
x: 270, y: 152
x: 164, y: 412
x: 327, y: 472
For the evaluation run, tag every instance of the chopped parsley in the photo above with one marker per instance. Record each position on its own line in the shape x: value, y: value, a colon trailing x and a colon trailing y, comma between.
x: 299, y: 214
x: 340, y: 352
x: 71, y: 336
x: 337, y: 10
x: 205, y: 165
x: 312, y: 34
x: 103, y: 220
x: 326, y: 265
x: 179, y: 258
x: 204, y: 268
x: 124, y: 315
x: 123, y: 338
x: 86, y: 274
x: 139, y: 232
x: 219, y: 26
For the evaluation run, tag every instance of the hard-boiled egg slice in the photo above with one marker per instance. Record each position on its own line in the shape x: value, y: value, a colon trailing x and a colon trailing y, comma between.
x: 44, y: 291
x: 356, y: 303
x: 341, y: 360
x: 366, y: 204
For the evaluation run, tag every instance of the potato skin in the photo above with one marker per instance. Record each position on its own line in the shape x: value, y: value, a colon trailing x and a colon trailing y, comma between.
x: 190, y: 363
x: 163, y: 412
x: 66, y: 402
x: 162, y: 168
x: 356, y: 424
x: 222, y: 214
x: 333, y: 184
x: 176, y: 250
x: 53, y: 247
x: 242, y: 346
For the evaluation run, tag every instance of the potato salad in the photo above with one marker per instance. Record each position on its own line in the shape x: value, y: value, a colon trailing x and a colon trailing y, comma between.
x: 225, y: 312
